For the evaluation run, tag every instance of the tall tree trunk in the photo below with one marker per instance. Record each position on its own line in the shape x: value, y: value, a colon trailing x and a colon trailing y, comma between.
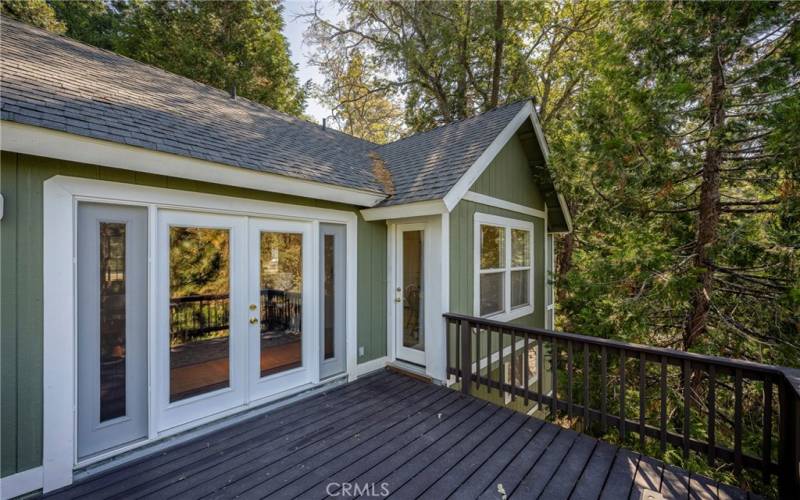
x: 499, y: 40
x: 708, y: 214
x: 461, y: 88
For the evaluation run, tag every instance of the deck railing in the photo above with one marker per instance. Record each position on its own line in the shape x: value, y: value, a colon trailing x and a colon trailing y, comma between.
x: 723, y: 409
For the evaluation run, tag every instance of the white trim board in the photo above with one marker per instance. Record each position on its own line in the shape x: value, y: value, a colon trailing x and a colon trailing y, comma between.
x: 61, y: 195
x: 40, y: 141
x: 505, y: 205
x: 20, y: 483
x: 371, y: 366
x: 414, y: 209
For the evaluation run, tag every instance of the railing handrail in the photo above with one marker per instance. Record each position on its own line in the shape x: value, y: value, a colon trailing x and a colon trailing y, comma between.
x: 791, y: 375
x: 473, y: 336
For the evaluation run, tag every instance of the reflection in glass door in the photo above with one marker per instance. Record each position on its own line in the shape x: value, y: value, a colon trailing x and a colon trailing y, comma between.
x: 278, y: 319
x: 199, y: 316
x: 410, y: 294
x: 202, y: 323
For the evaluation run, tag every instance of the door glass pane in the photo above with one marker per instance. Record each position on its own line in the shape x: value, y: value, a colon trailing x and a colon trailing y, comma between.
x: 112, y: 320
x: 492, y: 293
x: 413, y: 331
x: 492, y: 247
x: 281, y: 301
x: 520, y: 288
x: 520, y: 248
x: 199, y: 260
x: 329, y: 291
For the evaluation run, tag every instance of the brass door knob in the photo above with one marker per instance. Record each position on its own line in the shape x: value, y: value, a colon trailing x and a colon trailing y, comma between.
x: 253, y: 321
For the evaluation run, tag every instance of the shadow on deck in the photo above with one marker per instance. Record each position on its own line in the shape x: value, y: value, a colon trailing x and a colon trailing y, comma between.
x: 389, y: 434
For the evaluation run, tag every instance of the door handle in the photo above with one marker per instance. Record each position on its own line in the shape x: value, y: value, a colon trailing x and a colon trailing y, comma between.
x: 253, y: 321
x: 398, y: 299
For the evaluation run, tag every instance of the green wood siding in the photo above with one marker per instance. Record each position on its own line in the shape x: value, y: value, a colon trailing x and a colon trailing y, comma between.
x: 510, y: 178
x: 21, y: 183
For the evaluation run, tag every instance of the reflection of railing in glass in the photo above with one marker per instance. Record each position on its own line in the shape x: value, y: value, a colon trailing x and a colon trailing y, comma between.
x: 198, y: 316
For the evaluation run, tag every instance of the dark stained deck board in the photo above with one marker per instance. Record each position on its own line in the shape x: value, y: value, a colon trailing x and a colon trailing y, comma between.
x: 424, y: 467
x: 620, y: 479
x: 593, y: 476
x: 491, y: 468
x: 337, y: 398
x: 566, y: 475
x: 522, y: 463
x: 674, y: 483
x: 207, y: 469
x: 422, y: 440
x: 537, y: 478
x: 352, y: 470
x: 702, y: 488
x: 346, y: 465
x: 648, y: 477
x: 290, y: 481
x: 458, y: 474
x: 264, y: 460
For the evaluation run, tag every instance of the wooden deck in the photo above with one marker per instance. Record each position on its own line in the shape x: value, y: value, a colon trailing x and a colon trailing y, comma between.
x: 387, y: 432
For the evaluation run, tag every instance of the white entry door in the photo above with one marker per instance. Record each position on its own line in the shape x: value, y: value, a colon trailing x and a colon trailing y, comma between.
x: 282, y: 336
x: 202, y: 315
x: 410, y: 290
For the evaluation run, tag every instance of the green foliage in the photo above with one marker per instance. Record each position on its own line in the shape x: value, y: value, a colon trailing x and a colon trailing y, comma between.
x: 35, y: 12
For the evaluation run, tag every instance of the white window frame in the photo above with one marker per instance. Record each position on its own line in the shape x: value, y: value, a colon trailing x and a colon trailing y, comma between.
x: 508, y: 313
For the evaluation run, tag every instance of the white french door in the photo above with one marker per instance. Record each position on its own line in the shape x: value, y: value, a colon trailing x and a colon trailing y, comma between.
x: 202, y: 315
x: 281, y: 328
x: 236, y: 321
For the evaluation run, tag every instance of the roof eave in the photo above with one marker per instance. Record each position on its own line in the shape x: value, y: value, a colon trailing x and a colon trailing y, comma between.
x: 40, y: 141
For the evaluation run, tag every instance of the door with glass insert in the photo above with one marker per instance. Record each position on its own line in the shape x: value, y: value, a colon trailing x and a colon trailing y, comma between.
x: 410, y: 293
x: 280, y: 330
x: 112, y: 326
x: 202, y: 320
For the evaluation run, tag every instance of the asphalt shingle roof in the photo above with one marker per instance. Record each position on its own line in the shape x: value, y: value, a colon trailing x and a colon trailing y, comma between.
x: 54, y: 82
x: 426, y: 165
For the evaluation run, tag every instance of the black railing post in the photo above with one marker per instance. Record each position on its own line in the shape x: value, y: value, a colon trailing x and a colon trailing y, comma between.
x: 789, y: 441
x: 466, y: 358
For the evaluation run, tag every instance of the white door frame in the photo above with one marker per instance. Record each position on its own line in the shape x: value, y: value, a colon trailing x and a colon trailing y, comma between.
x: 61, y: 195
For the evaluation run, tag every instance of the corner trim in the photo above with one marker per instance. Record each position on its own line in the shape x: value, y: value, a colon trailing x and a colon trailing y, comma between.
x: 505, y: 205
x: 414, y: 209
x: 21, y: 483
x: 40, y: 141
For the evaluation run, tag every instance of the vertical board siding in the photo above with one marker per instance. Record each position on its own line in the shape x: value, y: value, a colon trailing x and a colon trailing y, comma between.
x: 8, y: 315
x: 21, y: 183
x: 510, y: 178
x: 462, y: 286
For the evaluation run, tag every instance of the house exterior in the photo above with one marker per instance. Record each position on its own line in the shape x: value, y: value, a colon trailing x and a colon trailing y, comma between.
x: 170, y: 255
